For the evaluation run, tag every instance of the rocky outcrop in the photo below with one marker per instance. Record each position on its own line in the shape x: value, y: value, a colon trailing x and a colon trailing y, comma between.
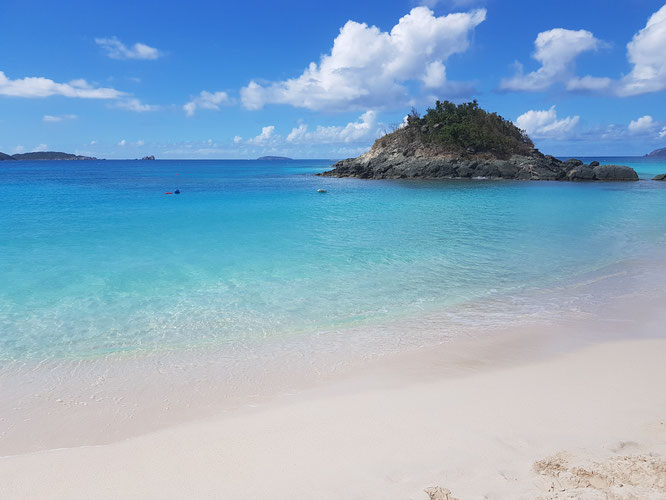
x: 393, y: 159
x: 660, y: 177
x: 151, y: 157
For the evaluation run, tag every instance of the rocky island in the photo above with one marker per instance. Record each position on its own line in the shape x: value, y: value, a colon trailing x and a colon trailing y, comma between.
x: 43, y: 155
x: 464, y: 141
x: 657, y: 153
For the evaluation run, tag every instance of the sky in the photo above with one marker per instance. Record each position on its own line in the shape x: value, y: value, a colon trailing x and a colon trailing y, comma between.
x: 311, y: 80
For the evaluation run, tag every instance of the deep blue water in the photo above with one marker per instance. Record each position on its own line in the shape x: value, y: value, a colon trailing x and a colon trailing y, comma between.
x: 95, y: 258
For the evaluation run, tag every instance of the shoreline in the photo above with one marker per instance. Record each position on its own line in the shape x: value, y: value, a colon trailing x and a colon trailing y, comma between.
x: 102, y: 401
x: 497, y: 432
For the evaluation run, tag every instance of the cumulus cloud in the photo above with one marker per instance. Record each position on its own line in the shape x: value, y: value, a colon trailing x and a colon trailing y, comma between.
x: 365, y: 129
x: 647, y: 55
x: 238, y: 139
x: 662, y: 134
x: 642, y: 125
x: 133, y: 104
x: 41, y: 147
x: 122, y: 142
x: 544, y: 124
x: 58, y: 118
x: 267, y: 134
x: 556, y: 50
x: 206, y: 100
x: 368, y: 67
x: 44, y: 87
x: 116, y: 49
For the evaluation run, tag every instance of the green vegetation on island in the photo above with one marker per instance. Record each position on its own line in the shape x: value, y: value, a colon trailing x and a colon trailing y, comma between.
x: 467, y: 128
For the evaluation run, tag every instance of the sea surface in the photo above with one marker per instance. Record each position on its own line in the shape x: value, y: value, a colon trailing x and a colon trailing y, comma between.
x: 95, y: 258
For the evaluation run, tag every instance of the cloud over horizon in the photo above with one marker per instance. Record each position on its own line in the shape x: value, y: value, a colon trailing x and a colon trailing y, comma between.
x: 35, y: 87
x: 543, y: 124
x: 367, y: 67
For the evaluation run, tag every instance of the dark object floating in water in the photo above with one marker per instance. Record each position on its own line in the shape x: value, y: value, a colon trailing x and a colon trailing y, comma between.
x: 321, y: 190
x: 177, y: 191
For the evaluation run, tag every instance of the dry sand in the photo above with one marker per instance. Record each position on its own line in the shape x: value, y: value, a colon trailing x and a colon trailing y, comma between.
x: 589, y: 424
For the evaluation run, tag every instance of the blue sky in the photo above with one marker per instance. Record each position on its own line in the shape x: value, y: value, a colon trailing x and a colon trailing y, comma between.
x: 245, y: 79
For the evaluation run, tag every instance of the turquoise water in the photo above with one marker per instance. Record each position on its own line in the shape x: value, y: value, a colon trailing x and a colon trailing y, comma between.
x: 96, y: 259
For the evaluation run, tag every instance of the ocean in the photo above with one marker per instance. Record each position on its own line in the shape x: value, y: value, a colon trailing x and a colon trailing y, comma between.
x: 97, y: 260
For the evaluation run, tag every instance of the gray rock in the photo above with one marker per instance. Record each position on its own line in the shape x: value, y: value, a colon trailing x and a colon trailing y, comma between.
x: 660, y: 177
x: 581, y: 173
x: 614, y: 173
x: 401, y: 157
x: 572, y: 163
x: 594, y: 163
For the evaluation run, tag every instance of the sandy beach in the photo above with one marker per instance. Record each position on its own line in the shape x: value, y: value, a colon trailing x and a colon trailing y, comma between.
x: 485, y: 419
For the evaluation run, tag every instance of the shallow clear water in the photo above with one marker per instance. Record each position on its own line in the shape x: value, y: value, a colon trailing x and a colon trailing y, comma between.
x: 95, y: 258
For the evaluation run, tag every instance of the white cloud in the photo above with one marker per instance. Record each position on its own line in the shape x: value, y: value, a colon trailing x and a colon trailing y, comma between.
x: 643, y: 124
x: 41, y: 147
x: 206, y: 100
x: 44, y: 87
x: 435, y: 75
x: 134, y: 104
x: 544, y: 124
x: 19, y: 149
x: 368, y: 67
x: 647, y: 53
x: 365, y: 129
x: 58, y: 118
x: 140, y: 143
x: 122, y: 142
x: 556, y: 50
x: 267, y: 133
x: 116, y: 49
x: 589, y: 83
x: 93, y: 142
x: 238, y: 139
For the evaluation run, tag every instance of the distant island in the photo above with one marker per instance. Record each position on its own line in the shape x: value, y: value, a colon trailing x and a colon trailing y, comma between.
x: 273, y: 158
x: 464, y: 141
x: 151, y: 157
x: 43, y: 155
x: 658, y: 153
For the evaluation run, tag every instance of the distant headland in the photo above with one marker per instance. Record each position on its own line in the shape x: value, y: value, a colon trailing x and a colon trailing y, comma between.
x: 658, y: 153
x: 43, y: 155
x: 274, y: 158
x: 464, y: 141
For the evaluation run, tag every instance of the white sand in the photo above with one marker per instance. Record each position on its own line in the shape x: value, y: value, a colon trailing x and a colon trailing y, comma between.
x: 394, y: 432
x: 574, y: 409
